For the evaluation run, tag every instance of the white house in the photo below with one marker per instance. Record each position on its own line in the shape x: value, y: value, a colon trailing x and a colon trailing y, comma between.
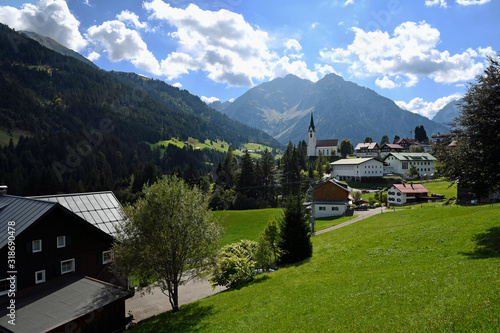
x: 357, y: 168
x: 400, y: 194
x: 399, y: 163
x: 314, y: 147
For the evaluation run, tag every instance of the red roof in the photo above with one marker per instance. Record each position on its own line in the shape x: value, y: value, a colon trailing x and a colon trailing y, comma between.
x: 411, y: 188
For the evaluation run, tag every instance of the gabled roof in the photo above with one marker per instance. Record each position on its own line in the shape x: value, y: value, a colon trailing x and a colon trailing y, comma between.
x: 327, y: 143
x: 353, y: 161
x: 59, y: 301
x: 412, y: 156
x: 411, y: 188
x: 335, y: 182
x: 392, y: 146
x: 367, y: 145
x: 22, y: 211
x: 101, y: 209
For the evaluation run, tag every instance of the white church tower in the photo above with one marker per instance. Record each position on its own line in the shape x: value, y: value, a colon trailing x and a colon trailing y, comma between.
x: 311, y: 143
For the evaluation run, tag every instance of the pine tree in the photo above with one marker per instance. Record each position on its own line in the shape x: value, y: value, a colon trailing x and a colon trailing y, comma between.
x: 295, y: 233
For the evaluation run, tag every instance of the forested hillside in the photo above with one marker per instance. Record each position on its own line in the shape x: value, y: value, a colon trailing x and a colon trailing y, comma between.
x: 89, y: 128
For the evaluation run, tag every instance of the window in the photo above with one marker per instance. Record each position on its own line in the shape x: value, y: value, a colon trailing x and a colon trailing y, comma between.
x: 67, y: 266
x: 36, y: 245
x: 107, y: 256
x: 322, y: 208
x: 61, y: 241
x: 7, y: 285
x: 335, y: 208
x: 40, y: 276
x: 405, y: 165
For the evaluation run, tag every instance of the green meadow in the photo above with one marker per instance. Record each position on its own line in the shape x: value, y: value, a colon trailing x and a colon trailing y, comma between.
x: 430, y: 269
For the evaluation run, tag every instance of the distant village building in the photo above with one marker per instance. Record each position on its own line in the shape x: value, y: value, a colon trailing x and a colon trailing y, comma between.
x: 401, y: 194
x: 400, y: 163
x: 369, y: 149
x: 329, y: 198
x: 314, y: 147
x: 442, y: 137
x: 405, y: 143
x: 388, y: 148
x: 355, y: 169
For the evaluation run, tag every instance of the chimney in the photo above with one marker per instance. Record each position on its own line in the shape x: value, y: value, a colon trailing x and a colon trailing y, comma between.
x: 3, y: 189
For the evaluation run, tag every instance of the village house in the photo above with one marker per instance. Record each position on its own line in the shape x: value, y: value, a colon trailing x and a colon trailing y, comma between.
x: 356, y: 169
x: 367, y: 149
x: 405, y: 143
x: 400, y: 163
x: 388, y: 148
x: 61, y: 270
x: 400, y: 194
x: 442, y: 137
x: 329, y: 198
x: 315, y: 147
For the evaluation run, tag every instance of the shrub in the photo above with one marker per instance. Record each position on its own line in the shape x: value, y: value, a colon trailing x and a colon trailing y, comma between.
x: 235, y: 264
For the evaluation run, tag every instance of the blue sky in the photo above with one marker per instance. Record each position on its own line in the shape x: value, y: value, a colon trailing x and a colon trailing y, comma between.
x: 418, y: 53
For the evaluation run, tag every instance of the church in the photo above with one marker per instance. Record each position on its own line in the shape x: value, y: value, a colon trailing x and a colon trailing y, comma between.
x: 314, y: 147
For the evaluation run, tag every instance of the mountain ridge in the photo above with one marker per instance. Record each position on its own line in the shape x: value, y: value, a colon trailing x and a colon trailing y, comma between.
x: 342, y: 109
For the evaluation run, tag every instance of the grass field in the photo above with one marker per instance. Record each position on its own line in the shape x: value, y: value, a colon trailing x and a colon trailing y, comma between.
x: 16, y: 134
x: 217, y: 145
x: 245, y: 224
x: 419, y: 270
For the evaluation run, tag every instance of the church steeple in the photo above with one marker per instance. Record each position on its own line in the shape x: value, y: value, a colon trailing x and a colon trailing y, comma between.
x: 311, y: 126
x: 311, y: 139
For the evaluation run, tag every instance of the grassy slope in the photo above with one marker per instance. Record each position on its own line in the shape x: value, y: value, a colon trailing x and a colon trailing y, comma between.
x: 219, y: 145
x: 245, y: 224
x: 408, y: 271
x: 16, y: 134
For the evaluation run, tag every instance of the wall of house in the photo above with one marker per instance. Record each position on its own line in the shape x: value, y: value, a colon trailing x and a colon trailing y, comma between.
x: 330, y: 191
x: 401, y: 167
x: 327, y: 210
x: 395, y: 197
x: 350, y: 172
x: 84, y: 243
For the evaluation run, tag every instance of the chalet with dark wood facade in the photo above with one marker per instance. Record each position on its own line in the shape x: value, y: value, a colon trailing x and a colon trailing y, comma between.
x: 330, y: 198
x: 61, y: 267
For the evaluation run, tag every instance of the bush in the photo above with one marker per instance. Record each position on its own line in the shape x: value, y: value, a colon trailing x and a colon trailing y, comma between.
x: 235, y: 264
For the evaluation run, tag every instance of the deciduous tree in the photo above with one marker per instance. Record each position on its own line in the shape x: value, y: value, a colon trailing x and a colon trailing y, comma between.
x: 168, y: 236
x: 346, y: 147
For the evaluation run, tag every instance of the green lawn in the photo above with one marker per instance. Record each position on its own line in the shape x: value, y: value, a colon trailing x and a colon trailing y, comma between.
x: 5, y: 136
x: 328, y: 222
x: 245, y: 224
x: 418, y: 270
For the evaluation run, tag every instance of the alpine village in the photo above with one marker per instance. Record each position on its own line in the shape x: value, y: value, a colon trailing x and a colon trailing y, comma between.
x: 128, y: 204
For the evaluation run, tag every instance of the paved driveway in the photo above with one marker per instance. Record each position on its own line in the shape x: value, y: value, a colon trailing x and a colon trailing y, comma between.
x: 147, y: 305
x: 359, y: 215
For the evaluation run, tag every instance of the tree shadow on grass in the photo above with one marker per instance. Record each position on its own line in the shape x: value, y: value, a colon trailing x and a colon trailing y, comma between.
x: 487, y: 244
x: 189, y: 316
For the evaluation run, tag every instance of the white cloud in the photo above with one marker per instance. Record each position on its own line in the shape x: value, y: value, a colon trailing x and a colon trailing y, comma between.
x: 410, y: 52
x: 431, y: 3
x: 93, y: 56
x: 122, y: 43
x: 293, y: 44
x: 177, y: 85
x: 209, y: 100
x: 427, y: 109
x: 220, y: 42
x: 472, y: 2
x: 385, y: 83
x: 126, y: 16
x: 348, y: 2
x: 50, y: 18
x: 299, y: 68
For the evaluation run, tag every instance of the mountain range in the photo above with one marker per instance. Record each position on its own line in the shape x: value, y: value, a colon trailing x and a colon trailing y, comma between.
x: 341, y: 110
x: 449, y: 112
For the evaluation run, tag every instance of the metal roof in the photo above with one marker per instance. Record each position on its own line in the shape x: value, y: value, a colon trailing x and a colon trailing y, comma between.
x: 58, y: 301
x: 102, y: 209
x: 411, y: 188
x: 353, y: 161
x: 327, y: 143
x: 367, y: 145
x: 23, y: 211
x: 412, y: 156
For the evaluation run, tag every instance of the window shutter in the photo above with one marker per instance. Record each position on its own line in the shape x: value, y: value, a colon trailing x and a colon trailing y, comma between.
x: 68, y: 240
x: 28, y: 247
x: 77, y: 264
x: 99, y: 258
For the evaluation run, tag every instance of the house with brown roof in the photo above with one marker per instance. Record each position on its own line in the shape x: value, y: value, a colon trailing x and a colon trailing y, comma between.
x: 388, y: 148
x: 369, y: 149
x: 329, y: 198
x: 405, y: 143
